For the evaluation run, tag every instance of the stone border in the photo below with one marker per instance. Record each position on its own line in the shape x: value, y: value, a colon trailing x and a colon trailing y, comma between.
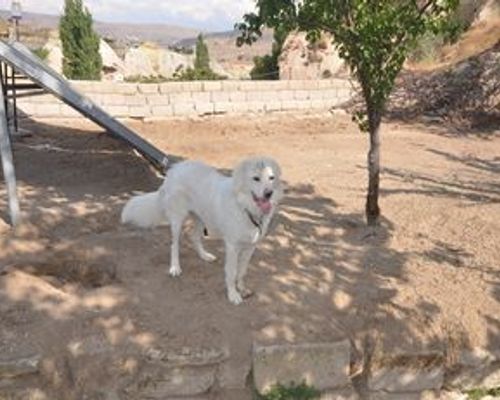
x: 164, y: 100
x: 194, y: 373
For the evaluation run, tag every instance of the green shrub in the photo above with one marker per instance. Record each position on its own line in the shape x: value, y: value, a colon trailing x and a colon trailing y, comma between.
x: 194, y: 74
x: 292, y: 392
x: 41, y: 53
x: 146, y: 79
x: 479, y: 393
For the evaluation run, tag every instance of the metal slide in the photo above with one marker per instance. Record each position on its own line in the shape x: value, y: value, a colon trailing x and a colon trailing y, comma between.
x: 20, y: 58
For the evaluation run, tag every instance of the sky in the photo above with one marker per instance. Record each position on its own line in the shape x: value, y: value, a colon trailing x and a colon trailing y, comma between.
x: 210, y: 15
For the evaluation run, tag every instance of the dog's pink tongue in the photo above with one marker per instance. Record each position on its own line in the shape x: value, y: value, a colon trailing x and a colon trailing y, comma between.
x: 264, y: 205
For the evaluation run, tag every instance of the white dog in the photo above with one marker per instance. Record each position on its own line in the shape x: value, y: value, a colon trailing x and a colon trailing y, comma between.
x: 237, y: 209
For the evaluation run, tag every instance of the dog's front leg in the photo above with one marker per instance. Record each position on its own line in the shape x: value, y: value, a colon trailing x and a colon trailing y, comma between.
x: 231, y: 271
x: 243, y: 263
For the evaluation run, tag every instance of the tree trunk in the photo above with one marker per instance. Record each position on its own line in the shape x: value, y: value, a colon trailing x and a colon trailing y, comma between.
x: 372, y: 208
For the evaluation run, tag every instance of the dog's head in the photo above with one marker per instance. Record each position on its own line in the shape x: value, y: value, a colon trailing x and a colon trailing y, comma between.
x: 257, y: 184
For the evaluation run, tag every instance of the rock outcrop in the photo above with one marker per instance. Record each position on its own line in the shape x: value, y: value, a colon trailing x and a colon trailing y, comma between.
x: 148, y: 59
x: 300, y: 59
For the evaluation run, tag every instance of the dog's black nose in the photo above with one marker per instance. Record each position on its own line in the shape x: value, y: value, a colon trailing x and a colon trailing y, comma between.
x: 268, y: 194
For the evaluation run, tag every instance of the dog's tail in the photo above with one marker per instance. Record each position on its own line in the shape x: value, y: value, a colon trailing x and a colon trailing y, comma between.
x: 145, y: 211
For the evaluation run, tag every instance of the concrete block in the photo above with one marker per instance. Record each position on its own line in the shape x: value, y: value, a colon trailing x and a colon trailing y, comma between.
x: 171, y: 87
x: 247, y: 86
x: 180, y: 97
x: 325, y: 84
x: 162, y: 111
x: 209, y: 86
x: 237, y: 96
x: 104, y: 87
x: 183, y: 108
x: 256, y: 95
x: 195, y: 86
x: 168, y: 383
x: 426, y: 395
x: 301, y: 95
x: 139, y: 111
x: 19, y: 367
x: 201, y: 97
x: 322, y: 365
x: 114, y: 99
x: 319, y: 104
x: 345, y: 93
x: 465, y: 378
x: 296, y: 84
x: 315, y: 95
x: 286, y: 95
x: 401, y: 379
x: 158, y: 99
x: 126, y: 88
x: 148, y: 88
x: 136, y: 100
x: 117, y: 111
x: 204, y: 108
x: 290, y: 105
x: 273, y: 105
x: 330, y: 94
x: 219, y: 96
x: 407, y: 372
x: 346, y: 394
x: 223, y: 107
x: 240, y: 107
x: 255, y: 106
x: 230, y: 86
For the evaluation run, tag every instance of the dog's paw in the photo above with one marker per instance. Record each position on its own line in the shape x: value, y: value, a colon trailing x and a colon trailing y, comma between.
x: 174, y: 270
x: 209, y: 257
x: 246, y: 293
x: 234, y: 297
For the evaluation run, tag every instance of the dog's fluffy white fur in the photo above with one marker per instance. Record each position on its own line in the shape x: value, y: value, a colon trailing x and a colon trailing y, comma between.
x: 237, y: 209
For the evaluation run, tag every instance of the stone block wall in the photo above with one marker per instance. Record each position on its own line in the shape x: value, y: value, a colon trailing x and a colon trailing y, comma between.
x: 132, y: 100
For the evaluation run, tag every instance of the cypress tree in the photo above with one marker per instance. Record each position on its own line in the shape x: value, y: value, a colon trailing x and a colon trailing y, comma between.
x: 202, y: 59
x: 80, y: 44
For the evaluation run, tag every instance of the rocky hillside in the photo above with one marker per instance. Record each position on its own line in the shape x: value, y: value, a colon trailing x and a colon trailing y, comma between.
x: 463, y: 88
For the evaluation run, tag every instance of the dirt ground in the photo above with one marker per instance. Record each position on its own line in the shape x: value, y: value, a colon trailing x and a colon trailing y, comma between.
x: 73, y: 278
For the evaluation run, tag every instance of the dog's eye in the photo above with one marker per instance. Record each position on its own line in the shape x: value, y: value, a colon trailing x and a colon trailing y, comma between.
x: 256, y: 179
x: 271, y: 178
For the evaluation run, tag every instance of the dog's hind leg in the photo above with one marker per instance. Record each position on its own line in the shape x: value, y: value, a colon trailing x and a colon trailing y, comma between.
x: 197, y: 239
x: 243, y: 263
x: 176, y: 221
x: 231, y: 271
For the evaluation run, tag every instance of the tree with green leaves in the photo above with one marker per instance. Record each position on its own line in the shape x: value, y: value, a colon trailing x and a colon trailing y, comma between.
x: 202, y: 59
x: 80, y: 44
x: 374, y: 37
x: 201, y: 70
x: 266, y: 67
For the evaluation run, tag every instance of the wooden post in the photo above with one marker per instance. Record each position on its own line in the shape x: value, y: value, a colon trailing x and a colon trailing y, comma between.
x: 8, y: 164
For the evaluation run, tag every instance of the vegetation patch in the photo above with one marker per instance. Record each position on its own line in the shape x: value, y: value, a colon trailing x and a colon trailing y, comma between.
x: 292, y: 392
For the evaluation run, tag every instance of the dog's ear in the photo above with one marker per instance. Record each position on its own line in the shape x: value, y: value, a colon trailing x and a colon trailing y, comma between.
x: 275, y: 167
x: 239, y: 175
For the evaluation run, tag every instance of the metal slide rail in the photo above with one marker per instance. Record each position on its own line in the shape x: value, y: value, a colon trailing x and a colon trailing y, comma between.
x: 20, y: 58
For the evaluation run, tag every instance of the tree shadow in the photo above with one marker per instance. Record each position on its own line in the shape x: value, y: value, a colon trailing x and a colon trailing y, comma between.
x: 462, y: 186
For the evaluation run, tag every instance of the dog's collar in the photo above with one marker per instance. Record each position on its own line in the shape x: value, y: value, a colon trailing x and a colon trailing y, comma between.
x: 255, y: 223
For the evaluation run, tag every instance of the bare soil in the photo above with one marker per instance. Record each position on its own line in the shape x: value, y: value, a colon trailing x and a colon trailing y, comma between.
x: 74, y: 281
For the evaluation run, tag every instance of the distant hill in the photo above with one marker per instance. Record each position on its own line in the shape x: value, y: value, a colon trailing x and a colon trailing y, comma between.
x: 162, y: 34
x: 35, y: 30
